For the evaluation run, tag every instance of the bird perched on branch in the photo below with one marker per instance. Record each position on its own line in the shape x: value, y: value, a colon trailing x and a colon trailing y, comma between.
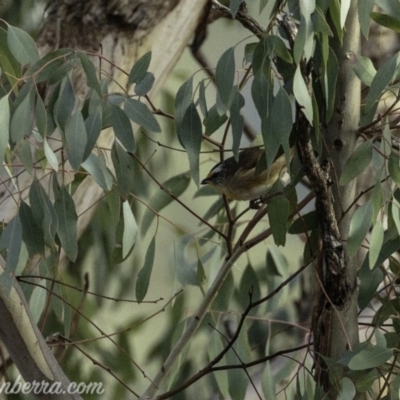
x: 239, y: 180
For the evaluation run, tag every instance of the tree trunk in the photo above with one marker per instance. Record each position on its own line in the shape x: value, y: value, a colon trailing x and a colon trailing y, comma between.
x: 336, y: 328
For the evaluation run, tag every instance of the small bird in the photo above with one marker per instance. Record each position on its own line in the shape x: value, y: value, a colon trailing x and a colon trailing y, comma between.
x: 238, y: 179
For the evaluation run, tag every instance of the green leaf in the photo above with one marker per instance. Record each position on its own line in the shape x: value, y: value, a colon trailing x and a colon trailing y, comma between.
x: 359, y: 226
x: 365, y: 70
x: 11, y: 239
x: 332, y: 70
x: 24, y: 153
x: 145, y: 85
x: 90, y: 71
x: 43, y: 211
x: 138, y: 112
x: 50, y: 155
x: 276, y: 46
x: 52, y: 67
x: 347, y: 389
x: 183, y: 100
x: 93, y: 125
x: 11, y: 69
x: 185, y: 271
x: 282, y: 122
x: 307, y: 222
x: 76, y: 137
x: 191, y: 139
x: 214, y: 120
x: 357, y: 162
x: 386, y: 21
x: 122, y: 128
x: 370, y: 358
x: 394, y: 167
x: 237, y: 120
x: 123, y: 165
x: 130, y: 230
x: 278, y: 213
x: 225, y: 75
x: 22, y: 46
x: 4, y: 126
x: 65, y: 103
x: 32, y: 234
x: 261, y: 92
x: 214, y: 348
x: 37, y: 301
x: 381, y: 80
x: 376, y: 242
x: 41, y: 116
x: 364, y: 10
x: 143, y: 278
x: 234, y: 6
x: 67, y: 223
x: 366, y: 379
x: 140, y: 68
x: 97, y: 168
x: 21, y: 121
x: 302, y: 95
x: 320, y: 23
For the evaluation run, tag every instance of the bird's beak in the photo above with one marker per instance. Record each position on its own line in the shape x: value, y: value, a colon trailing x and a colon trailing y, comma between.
x: 204, y: 182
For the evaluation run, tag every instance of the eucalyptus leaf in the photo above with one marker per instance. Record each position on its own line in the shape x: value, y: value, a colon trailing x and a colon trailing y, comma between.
x: 4, y: 126
x: 143, y: 278
x: 67, y: 223
x: 22, y: 46
x: 359, y: 226
x: 76, y: 137
x: 357, y: 162
x: 130, y: 230
x: 32, y: 234
x: 123, y: 128
x: 138, y: 112
x: 191, y: 139
x: 139, y: 69
x: 225, y: 75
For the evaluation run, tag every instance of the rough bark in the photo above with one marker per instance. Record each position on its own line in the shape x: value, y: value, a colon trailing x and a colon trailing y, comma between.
x: 336, y: 328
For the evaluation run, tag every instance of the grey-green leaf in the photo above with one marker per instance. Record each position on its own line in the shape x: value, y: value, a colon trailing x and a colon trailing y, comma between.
x: 357, y: 162
x: 370, y: 358
x: 32, y: 234
x: 21, y: 121
x: 90, y: 71
x: 67, y: 223
x: 93, y: 124
x: 123, y: 128
x: 97, y: 168
x: 237, y: 120
x: 4, y: 126
x: 123, y: 165
x: 130, y: 230
x: 138, y: 112
x: 191, y: 139
x: 22, y: 46
x: 43, y: 211
x: 144, y: 86
x: 359, y: 226
x: 225, y: 75
x: 75, y: 134
x: 143, y: 278
x: 365, y: 70
x: 278, y: 213
x: 139, y: 70
x: 11, y: 239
